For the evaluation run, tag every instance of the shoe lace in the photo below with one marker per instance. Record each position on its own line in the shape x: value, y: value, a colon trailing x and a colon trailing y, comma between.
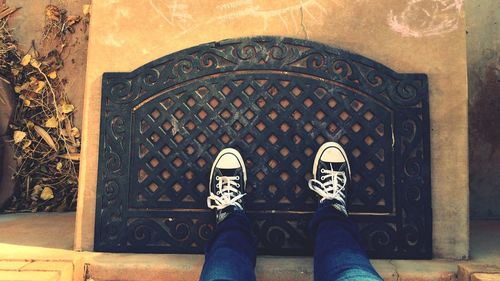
x: 331, y: 189
x: 227, y: 193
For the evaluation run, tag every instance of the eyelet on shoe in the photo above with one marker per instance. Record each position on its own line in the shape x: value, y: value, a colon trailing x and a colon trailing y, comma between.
x: 217, y: 177
x: 237, y: 177
x: 322, y: 170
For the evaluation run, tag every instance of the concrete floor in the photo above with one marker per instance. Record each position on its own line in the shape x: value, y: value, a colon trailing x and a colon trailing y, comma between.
x: 485, y: 241
x: 34, y: 238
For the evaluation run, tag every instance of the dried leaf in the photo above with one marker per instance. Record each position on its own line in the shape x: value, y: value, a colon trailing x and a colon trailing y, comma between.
x: 30, y: 124
x: 22, y: 87
x: 86, y: 9
x: 70, y: 156
x: 51, y: 122
x: 75, y: 132
x: 26, y: 144
x: 59, y: 166
x: 6, y: 11
x: 19, y: 136
x: 67, y: 108
x: 26, y: 59
x: 52, y: 75
x: 67, y: 130
x: 60, y: 116
x: 37, y: 189
x: 40, y: 87
x: 73, y: 149
x: 52, y: 12
x: 35, y: 63
x: 15, y: 71
x: 47, y: 193
x: 26, y: 102
x: 63, y: 132
x: 72, y: 20
x: 46, y: 137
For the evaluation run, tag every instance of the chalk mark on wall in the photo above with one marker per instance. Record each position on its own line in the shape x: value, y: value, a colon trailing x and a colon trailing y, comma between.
x: 422, y: 18
x: 178, y: 13
x: 173, y: 12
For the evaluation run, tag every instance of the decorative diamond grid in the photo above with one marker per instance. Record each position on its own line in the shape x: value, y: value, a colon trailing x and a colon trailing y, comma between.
x: 276, y: 100
x: 279, y: 182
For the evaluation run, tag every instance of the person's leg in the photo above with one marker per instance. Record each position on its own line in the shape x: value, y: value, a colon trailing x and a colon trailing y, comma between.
x: 337, y: 254
x: 231, y: 253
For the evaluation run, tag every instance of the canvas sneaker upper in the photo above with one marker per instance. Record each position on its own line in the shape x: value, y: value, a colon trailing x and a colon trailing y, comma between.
x: 331, y: 176
x: 227, y: 183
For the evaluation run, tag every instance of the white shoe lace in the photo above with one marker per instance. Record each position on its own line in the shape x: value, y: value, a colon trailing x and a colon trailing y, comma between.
x: 333, y: 188
x: 227, y: 193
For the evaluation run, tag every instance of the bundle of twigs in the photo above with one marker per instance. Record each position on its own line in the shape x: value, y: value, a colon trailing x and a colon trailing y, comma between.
x: 46, y: 141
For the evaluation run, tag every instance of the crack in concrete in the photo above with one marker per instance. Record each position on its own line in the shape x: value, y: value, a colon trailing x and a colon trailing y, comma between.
x: 395, y: 270
x: 302, y: 23
x: 28, y: 263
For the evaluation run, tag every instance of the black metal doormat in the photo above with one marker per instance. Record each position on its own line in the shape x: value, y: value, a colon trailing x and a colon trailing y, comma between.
x: 276, y: 100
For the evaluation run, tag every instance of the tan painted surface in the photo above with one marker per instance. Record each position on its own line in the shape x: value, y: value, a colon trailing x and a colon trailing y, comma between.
x: 400, y: 34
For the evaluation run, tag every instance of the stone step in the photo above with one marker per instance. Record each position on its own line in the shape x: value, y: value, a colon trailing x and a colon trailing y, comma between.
x: 485, y: 277
x: 42, y: 243
x: 478, y: 271
x: 134, y: 267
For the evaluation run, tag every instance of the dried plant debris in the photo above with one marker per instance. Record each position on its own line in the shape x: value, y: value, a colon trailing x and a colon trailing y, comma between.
x: 59, y: 23
x: 6, y: 11
x: 46, y: 141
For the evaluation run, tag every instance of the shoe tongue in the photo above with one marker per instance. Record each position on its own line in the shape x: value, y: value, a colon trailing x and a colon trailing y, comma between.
x: 228, y: 172
x: 335, y: 166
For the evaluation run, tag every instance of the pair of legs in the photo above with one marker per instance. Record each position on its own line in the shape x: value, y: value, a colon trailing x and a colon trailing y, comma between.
x: 231, y: 253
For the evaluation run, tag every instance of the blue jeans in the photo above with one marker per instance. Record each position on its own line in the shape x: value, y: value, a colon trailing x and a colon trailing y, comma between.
x: 231, y: 253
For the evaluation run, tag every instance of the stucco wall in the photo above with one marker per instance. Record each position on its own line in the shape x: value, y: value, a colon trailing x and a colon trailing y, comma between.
x: 483, y: 41
x: 426, y: 36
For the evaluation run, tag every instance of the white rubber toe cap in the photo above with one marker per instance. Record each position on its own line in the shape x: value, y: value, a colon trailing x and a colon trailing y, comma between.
x: 332, y: 155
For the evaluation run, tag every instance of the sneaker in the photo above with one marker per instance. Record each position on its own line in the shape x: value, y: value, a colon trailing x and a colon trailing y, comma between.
x: 228, y: 179
x: 331, y: 176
